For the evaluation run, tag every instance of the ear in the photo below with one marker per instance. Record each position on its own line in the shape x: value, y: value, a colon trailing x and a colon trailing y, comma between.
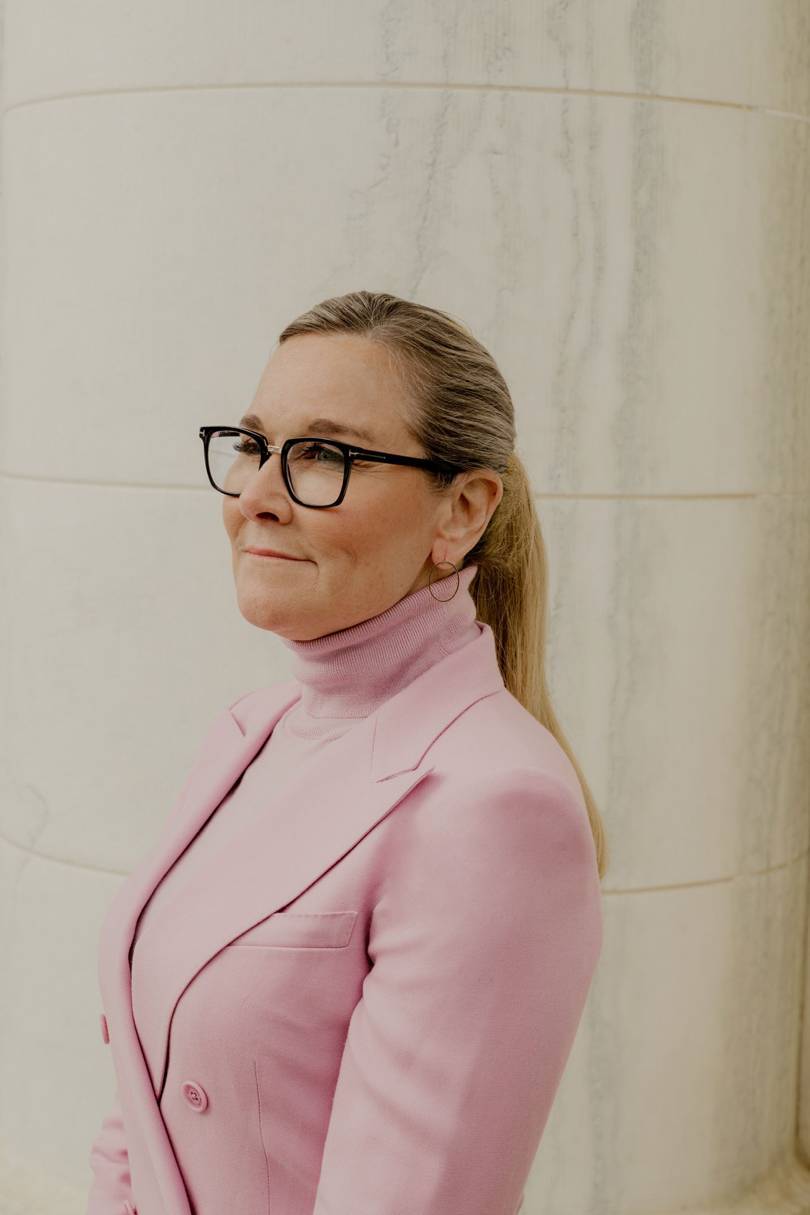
x: 470, y: 506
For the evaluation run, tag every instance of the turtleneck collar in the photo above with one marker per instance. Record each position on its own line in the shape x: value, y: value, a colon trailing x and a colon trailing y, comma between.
x: 351, y: 672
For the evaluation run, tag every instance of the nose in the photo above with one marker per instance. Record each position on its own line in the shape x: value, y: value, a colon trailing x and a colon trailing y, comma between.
x: 264, y: 483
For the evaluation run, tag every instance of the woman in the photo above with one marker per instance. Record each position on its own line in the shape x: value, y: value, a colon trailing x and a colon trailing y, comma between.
x: 347, y: 979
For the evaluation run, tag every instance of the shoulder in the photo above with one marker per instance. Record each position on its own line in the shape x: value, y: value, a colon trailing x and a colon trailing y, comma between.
x: 502, y: 858
x: 500, y: 787
x: 258, y: 702
x: 498, y: 741
x: 518, y: 814
x: 513, y: 807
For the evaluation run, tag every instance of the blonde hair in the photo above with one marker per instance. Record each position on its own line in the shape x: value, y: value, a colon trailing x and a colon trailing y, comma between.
x: 462, y: 414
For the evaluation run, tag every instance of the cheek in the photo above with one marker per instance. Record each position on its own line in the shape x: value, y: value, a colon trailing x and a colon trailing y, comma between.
x: 366, y: 532
x: 404, y: 508
x: 393, y: 520
x: 230, y: 516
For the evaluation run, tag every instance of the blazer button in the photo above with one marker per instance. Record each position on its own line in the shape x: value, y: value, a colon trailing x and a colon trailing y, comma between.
x: 105, y: 1034
x: 195, y: 1095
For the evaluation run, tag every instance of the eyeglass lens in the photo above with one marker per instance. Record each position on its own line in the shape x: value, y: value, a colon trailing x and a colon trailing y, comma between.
x: 315, y: 466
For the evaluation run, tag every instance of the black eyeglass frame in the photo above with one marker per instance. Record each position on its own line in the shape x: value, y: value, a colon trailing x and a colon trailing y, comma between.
x: 349, y: 450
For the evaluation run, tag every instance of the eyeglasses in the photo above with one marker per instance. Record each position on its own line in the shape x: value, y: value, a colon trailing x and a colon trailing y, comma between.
x: 316, y: 471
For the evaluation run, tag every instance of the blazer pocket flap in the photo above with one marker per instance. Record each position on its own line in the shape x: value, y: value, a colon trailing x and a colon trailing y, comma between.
x: 313, y: 929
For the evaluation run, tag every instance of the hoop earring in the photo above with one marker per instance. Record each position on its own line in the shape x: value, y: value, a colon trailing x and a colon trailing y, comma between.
x: 430, y: 580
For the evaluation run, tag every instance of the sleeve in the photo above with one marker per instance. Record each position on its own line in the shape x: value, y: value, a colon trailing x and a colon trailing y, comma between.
x: 111, y: 1187
x: 483, y: 942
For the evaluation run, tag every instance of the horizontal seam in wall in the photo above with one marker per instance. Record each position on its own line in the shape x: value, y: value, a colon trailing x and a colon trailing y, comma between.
x: 447, y: 86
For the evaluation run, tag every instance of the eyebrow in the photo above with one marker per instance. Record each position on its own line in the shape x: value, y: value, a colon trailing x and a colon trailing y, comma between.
x: 319, y: 426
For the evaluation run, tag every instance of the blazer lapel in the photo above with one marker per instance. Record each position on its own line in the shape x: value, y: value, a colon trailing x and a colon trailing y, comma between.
x: 375, y: 764
x: 225, y: 753
x: 265, y: 865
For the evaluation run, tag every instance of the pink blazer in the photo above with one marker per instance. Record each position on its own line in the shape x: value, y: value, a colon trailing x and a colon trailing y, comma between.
x: 373, y: 1006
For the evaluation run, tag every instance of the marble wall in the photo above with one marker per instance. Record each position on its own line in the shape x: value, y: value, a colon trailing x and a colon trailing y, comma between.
x: 615, y: 197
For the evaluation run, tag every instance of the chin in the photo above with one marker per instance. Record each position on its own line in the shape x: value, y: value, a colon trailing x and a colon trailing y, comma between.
x: 262, y: 612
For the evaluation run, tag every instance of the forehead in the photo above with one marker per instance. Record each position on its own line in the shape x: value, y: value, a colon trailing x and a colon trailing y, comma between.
x: 342, y: 377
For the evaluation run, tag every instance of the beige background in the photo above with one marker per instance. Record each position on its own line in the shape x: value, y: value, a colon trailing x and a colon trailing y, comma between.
x: 615, y: 196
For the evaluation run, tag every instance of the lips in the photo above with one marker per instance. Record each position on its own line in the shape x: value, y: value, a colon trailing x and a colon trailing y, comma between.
x: 266, y: 552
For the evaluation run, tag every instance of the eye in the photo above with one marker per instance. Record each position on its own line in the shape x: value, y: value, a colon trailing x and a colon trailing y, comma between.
x: 311, y: 451
x: 245, y: 445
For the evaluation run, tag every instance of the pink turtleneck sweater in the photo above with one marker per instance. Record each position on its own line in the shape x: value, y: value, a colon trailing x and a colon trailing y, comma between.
x: 344, y: 677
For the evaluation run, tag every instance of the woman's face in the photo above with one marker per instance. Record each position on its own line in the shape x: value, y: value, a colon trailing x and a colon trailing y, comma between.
x: 357, y: 559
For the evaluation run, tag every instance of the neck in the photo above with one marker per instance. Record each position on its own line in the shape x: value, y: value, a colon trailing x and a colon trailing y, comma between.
x: 351, y: 672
